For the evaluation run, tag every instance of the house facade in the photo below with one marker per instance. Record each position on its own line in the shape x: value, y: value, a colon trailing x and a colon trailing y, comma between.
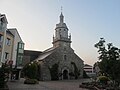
x: 11, y: 46
x: 89, y: 70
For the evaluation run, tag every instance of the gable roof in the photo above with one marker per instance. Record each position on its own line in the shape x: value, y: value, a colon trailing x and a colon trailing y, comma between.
x: 78, y: 57
x: 45, y: 54
x: 15, y: 31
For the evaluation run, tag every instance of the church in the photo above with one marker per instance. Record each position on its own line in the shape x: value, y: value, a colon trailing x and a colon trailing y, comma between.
x: 60, y: 61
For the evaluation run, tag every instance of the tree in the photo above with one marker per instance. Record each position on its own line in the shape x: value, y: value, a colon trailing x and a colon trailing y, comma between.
x: 54, y: 71
x: 4, y: 72
x: 85, y: 75
x: 2, y: 77
x: 30, y: 70
x: 76, y: 71
x: 109, y: 60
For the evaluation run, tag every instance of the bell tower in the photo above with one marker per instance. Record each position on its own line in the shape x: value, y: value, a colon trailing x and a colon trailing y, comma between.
x: 61, y: 37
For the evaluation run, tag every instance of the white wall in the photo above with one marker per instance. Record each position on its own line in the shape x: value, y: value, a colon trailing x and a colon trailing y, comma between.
x: 17, y: 39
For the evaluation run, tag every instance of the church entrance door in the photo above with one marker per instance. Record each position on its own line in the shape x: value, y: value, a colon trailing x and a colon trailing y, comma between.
x: 65, y: 74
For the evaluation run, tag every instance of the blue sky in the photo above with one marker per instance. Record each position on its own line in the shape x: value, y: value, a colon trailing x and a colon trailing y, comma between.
x: 87, y: 20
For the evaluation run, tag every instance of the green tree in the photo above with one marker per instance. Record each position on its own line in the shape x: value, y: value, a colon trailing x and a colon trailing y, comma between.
x: 54, y: 72
x: 76, y: 71
x: 109, y: 60
x: 2, y: 77
x: 85, y: 75
x: 4, y: 72
x: 30, y: 70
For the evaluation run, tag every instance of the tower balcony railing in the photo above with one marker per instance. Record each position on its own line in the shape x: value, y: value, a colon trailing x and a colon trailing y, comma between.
x: 62, y: 39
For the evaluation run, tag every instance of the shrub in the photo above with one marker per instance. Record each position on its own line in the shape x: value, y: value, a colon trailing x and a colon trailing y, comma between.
x: 103, y: 79
x: 54, y: 72
x: 2, y: 78
x: 4, y: 70
x: 76, y: 71
x: 31, y: 81
x: 85, y: 75
x: 30, y: 71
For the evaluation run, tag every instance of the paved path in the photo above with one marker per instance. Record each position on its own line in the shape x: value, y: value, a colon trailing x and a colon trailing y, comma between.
x: 47, y: 85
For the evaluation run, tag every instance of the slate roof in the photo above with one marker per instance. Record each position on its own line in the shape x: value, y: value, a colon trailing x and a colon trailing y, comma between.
x: 45, y: 53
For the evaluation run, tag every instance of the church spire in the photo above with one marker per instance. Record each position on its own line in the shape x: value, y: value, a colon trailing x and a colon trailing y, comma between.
x: 61, y: 17
x: 61, y: 34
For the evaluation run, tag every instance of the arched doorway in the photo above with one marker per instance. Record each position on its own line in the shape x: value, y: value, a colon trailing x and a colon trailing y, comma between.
x: 65, y: 74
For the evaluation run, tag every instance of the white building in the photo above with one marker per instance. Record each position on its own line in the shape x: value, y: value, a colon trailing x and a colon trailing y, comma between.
x: 11, y: 45
x: 18, y: 48
x: 89, y: 70
x: 3, y: 29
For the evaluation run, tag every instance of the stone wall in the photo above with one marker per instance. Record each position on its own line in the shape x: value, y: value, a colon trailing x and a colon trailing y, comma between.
x: 63, y: 56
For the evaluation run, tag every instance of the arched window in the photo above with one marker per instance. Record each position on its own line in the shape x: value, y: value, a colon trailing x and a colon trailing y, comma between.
x: 65, y: 57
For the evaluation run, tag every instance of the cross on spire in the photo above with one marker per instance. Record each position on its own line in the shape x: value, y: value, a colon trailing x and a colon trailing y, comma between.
x: 61, y: 16
x: 61, y: 8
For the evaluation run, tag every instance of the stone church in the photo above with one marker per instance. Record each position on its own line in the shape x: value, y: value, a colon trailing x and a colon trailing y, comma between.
x: 60, y: 61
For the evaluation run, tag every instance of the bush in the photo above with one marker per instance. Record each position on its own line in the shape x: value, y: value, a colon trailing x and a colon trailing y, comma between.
x: 54, y: 72
x: 103, y: 79
x: 4, y: 70
x: 85, y: 75
x: 76, y: 71
x: 31, y: 81
x: 30, y: 70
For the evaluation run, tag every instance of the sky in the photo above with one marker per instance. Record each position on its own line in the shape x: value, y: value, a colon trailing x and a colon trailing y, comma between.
x: 87, y: 20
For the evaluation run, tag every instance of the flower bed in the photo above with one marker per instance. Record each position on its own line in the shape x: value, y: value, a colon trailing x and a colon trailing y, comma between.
x: 31, y: 81
x: 97, y: 86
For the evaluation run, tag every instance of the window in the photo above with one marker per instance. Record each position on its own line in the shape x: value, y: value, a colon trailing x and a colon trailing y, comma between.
x: 20, y: 48
x: 8, y: 41
x: 65, y: 57
x: 1, y: 38
x: 6, y: 55
x: 21, y: 45
x: 19, y: 61
x: 20, y: 51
